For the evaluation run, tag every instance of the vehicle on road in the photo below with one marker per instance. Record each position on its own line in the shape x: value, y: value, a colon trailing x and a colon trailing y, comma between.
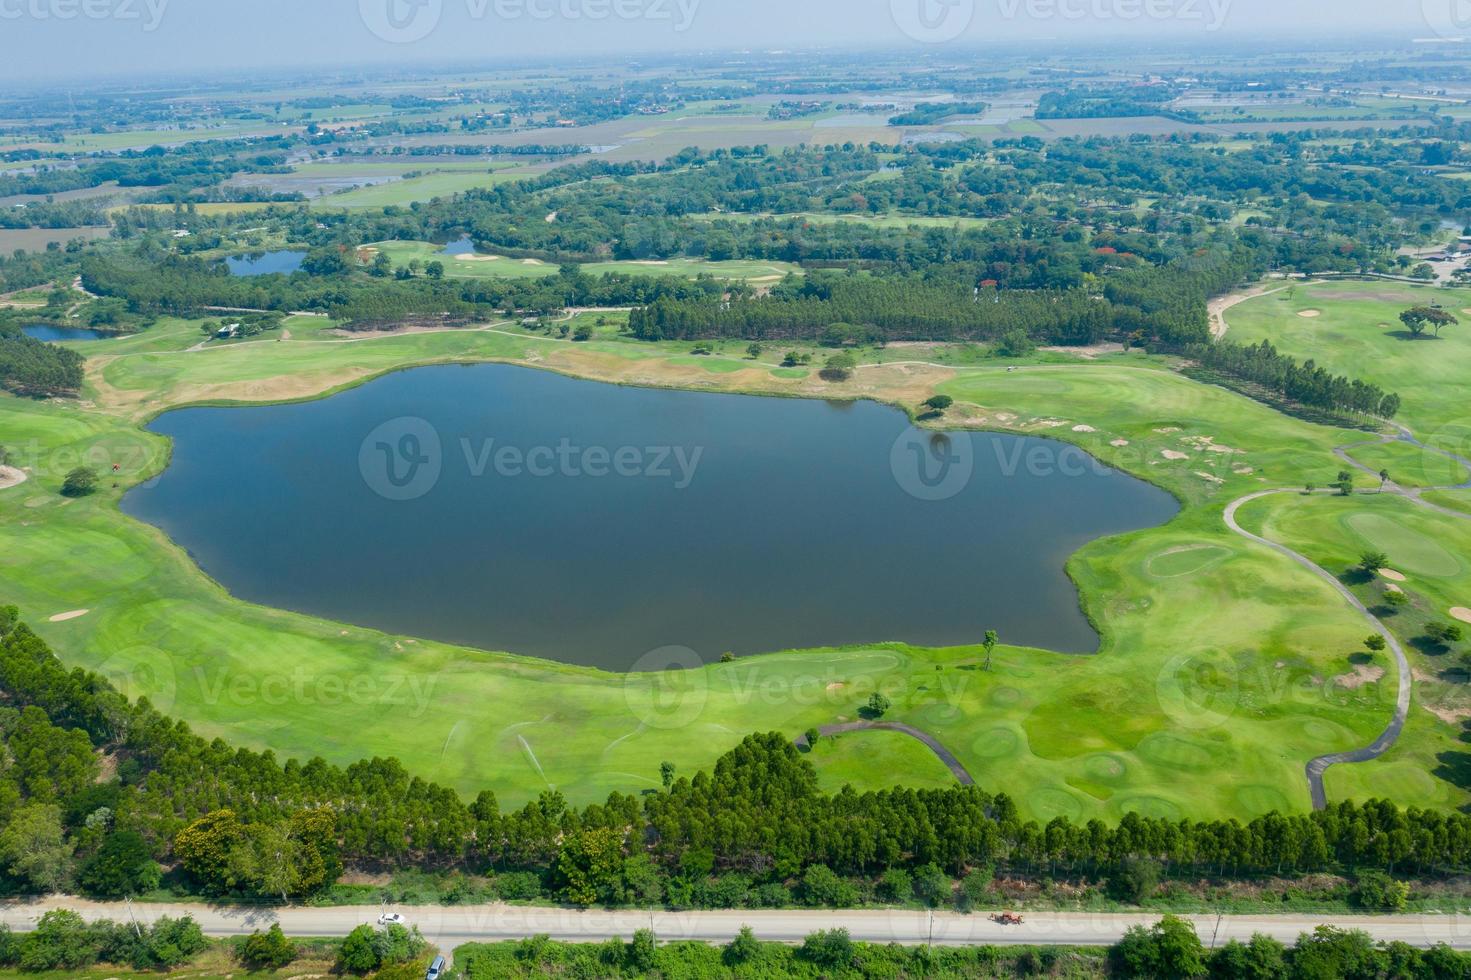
x: 391, y: 919
x: 436, y: 969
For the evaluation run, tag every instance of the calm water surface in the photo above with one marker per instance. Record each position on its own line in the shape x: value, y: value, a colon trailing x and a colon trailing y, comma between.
x: 283, y: 261
x: 738, y: 523
x: 42, y: 331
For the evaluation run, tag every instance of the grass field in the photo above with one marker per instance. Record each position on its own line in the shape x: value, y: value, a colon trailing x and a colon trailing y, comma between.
x: 497, y: 267
x: 1430, y: 551
x: 402, y: 193
x: 1357, y: 332
x: 1211, y: 689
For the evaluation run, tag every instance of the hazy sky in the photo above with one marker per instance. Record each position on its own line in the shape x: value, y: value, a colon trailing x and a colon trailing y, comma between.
x: 77, y: 38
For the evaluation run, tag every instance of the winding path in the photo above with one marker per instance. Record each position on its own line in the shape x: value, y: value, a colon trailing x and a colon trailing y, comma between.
x: 944, y: 754
x: 1317, y: 767
x: 1387, y: 738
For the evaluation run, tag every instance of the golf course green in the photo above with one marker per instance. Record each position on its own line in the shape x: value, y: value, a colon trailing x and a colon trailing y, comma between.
x: 1221, y: 671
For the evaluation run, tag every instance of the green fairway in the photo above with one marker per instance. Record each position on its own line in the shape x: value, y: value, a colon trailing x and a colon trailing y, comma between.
x: 864, y: 761
x: 1427, y: 548
x: 489, y: 266
x: 1213, y: 659
x: 402, y: 193
x: 1357, y: 332
x: 1409, y: 465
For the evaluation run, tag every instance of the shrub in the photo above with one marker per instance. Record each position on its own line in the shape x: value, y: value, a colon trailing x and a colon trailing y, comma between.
x: 122, y: 866
x: 822, y: 887
x: 896, y: 886
x: 830, y: 948
x: 269, y: 950
x: 1377, y: 890
x: 742, y: 949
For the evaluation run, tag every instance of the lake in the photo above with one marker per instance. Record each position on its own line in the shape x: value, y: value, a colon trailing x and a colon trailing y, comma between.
x: 42, y: 331
x: 282, y: 261
x: 511, y: 509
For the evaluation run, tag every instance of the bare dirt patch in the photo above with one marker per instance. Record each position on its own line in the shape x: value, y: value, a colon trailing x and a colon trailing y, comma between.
x: 1361, y: 674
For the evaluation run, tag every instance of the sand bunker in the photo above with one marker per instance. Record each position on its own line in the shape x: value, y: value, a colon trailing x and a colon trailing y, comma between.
x: 74, y: 614
x: 1392, y: 575
x: 477, y: 258
x: 1461, y: 613
x: 1310, y: 314
x: 1084, y: 428
x: 11, y: 477
x: 1172, y: 454
x: 1119, y: 443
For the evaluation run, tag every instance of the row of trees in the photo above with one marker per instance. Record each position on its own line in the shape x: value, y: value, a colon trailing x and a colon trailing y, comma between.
x: 1306, y: 383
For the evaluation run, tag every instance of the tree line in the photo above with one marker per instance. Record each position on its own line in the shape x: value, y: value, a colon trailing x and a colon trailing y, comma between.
x: 1306, y: 383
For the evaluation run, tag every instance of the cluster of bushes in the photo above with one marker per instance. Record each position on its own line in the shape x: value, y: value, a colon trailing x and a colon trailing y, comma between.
x: 1306, y: 384
x: 63, y: 941
x: 1169, y: 950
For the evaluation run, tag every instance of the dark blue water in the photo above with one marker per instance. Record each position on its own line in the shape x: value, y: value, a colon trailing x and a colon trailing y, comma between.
x: 46, y: 332
x: 460, y: 246
x: 589, y: 523
x: 284, y: 262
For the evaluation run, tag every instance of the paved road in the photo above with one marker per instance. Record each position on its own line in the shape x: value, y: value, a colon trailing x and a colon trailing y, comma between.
x: 450, y: 927
x: 945, y: 755
x: 1387, y: 738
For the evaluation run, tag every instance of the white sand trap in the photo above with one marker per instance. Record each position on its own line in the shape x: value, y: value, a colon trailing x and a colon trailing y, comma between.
x: 1172, y: 454
x: 1209, y: 478
x: 1392, y: 575
x: 477, y: 258
x: 11, y: 477
x: 649, y: 262
x: 1393, y: 588
x: 1310, y: 314
x: 1119, y: 443
x: 532, y: 262
x: 74, y: 614
x: 1168, y: 429
x: 1461, y: 613
x: 1084, y: 428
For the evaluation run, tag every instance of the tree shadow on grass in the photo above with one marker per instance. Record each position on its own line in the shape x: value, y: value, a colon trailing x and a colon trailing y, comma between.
x: 1406, y: 335
x: 1454, y: 768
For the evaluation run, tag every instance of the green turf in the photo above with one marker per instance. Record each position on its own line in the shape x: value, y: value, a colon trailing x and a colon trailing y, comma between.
x: 1214, y: 652
x: 1409, y: 465
x: 402, y: 193
x: 877, y: 760
x: 1358, y: 332
x: 498, y: 266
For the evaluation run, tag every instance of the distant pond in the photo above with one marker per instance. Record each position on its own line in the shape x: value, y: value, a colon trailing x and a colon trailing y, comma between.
x: 282, y: 261
x: 44, y: 331
x: 511, y: 509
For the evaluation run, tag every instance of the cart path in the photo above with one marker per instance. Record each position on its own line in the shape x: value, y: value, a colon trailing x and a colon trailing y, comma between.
x: 944, y: 754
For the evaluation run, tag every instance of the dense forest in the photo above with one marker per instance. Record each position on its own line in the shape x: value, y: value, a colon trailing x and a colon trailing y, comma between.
x: 756, y: 830
x: 30, y: 367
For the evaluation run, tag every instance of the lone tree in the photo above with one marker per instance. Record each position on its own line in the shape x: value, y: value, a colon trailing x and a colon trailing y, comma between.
x: 992, y: 638
x: 939, y: 403
x: 1375, y: 643
x: 1418, y: 319
x: 1373, y: 561
x: 1443, y: 634
x: 666, y: 773
x: 839, y: 367
x: 1383, y: 479
x: 80, y: 482
x: 878, y: 706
